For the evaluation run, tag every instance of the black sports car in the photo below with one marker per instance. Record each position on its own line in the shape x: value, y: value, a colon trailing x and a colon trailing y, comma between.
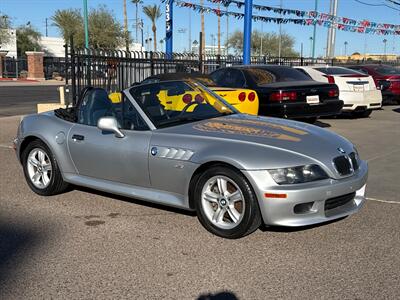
x: 283, y: 91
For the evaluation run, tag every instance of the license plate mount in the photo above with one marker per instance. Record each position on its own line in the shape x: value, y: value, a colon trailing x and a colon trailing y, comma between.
x: 313, y: 99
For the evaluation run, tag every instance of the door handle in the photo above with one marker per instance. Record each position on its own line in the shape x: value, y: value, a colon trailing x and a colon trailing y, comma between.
x: 78, y: 137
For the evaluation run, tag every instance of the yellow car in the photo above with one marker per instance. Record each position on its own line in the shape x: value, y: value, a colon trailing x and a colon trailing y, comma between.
x: 244, y: 100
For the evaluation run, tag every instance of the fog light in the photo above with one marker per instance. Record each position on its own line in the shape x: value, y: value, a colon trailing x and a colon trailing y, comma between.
x: 303, y: 208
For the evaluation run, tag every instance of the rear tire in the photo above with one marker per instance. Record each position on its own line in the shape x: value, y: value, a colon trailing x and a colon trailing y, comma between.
x: 226, y: 204
x: 362, y: 114
x: 41, y: 170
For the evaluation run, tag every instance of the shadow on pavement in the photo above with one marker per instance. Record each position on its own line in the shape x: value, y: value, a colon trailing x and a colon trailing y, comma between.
x: 16, y: 246
x: 135, y: 201
x: 397, y: 110
x: 319, y: 123
x: 218, y: 296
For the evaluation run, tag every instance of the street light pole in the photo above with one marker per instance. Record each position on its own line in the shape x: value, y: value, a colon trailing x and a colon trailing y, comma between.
x: 384, y: 49
x: 86, y: 23
x: 314, y: 32
x: 345, y: 48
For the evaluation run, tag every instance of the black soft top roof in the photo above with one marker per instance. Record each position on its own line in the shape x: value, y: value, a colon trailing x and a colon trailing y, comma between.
x: 179, y: 76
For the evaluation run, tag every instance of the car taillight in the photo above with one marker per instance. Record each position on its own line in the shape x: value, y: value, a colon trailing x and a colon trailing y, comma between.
x: 283, y: 96
x: 333, y: 93
x: 242, y: 96
x: 331, y: 79
x: 199, y: 98
x: 187, y: 98
x: 251, y: 96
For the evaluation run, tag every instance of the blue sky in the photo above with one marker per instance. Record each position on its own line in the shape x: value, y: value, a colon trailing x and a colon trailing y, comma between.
x: 36, y: 11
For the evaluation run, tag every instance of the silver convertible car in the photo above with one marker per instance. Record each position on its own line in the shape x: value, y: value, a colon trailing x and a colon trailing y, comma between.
x: 179, y: 144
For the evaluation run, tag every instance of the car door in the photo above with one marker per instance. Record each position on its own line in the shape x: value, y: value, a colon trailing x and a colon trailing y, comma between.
x: 102, y: 155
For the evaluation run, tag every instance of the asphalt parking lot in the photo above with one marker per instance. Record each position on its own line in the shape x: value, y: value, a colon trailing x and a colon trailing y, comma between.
x: 86, y: 244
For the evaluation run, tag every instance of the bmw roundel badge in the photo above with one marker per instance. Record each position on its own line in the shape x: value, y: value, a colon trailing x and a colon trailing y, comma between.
x: 341, y: 150
x: 154, y: 151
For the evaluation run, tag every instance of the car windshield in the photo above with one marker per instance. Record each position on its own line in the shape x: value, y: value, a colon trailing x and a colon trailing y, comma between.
x: 387, y: 70
x: 178, y: 102
x: 262, y: 76
x: 337, y: 71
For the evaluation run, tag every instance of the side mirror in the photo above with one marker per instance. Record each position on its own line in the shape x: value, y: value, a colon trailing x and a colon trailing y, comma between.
x: 110, y: 124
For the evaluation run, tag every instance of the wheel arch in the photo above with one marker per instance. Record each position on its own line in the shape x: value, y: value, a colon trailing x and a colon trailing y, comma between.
x: 197, y: 173
x: 26, y: 141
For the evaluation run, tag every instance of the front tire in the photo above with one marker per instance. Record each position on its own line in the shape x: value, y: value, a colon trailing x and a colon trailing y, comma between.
x: 41, y: 170
x: 226, y: 204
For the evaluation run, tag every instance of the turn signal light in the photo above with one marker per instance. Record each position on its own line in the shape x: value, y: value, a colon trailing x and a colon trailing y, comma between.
x: 242, y: 96
x: 251, y: 96
x: 283, y: 96
x: 271, y: 195
x: 333, y: 93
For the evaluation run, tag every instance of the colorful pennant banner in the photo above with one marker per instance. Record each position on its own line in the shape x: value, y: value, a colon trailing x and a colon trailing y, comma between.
x: 325, y: 22
x: 312, y: 14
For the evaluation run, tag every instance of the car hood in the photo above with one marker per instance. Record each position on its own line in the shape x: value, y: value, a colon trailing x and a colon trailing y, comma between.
x: 294, y: 137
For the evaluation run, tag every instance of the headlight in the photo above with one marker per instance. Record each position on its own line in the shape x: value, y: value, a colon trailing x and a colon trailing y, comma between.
x: 298, y: 174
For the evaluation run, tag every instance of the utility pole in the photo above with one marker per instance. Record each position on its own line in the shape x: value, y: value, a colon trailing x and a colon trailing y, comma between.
x: 330, y: 45
x: 126, y: 32
x: 190, y: 31
x: 280, y: 37
x: 47, y: 32
x: 227, y: 31
x: 219, y: 30
x: 85, y: 18
x: 384, y: 49
x: 203, y: 34
x: 314, y: 32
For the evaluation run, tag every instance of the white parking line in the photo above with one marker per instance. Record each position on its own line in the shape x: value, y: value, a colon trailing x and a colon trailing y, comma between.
x: 383, y: 155
x: 6, y: 146
x: 383, y: 201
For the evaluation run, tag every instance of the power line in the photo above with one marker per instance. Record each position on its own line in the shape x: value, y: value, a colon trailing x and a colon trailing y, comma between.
x: 381, y: 4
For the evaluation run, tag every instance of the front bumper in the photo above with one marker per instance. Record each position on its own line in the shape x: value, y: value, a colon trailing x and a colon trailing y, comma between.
x: 301, y: 109
x: 314, y: 196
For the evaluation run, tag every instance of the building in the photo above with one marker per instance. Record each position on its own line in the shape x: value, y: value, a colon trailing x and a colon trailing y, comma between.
x: 211, y: 50
x: 368, y: 56
x: 51, y: 46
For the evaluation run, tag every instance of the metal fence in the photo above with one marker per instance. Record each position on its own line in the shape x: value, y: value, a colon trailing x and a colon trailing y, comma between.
x: 18, y: 67
x: 115, y: 70
x: 53, y: 67
x: 13, y: 67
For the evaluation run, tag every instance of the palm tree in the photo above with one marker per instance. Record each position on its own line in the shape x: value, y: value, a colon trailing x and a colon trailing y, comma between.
x: 153, y: 12
x: 137, y: 2
x: 69, y: 23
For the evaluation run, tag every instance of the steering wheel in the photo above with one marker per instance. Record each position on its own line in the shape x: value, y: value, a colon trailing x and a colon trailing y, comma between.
x: 184, y: 110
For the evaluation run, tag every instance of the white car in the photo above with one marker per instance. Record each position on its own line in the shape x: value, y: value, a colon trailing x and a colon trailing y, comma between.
x: 358, y: 91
